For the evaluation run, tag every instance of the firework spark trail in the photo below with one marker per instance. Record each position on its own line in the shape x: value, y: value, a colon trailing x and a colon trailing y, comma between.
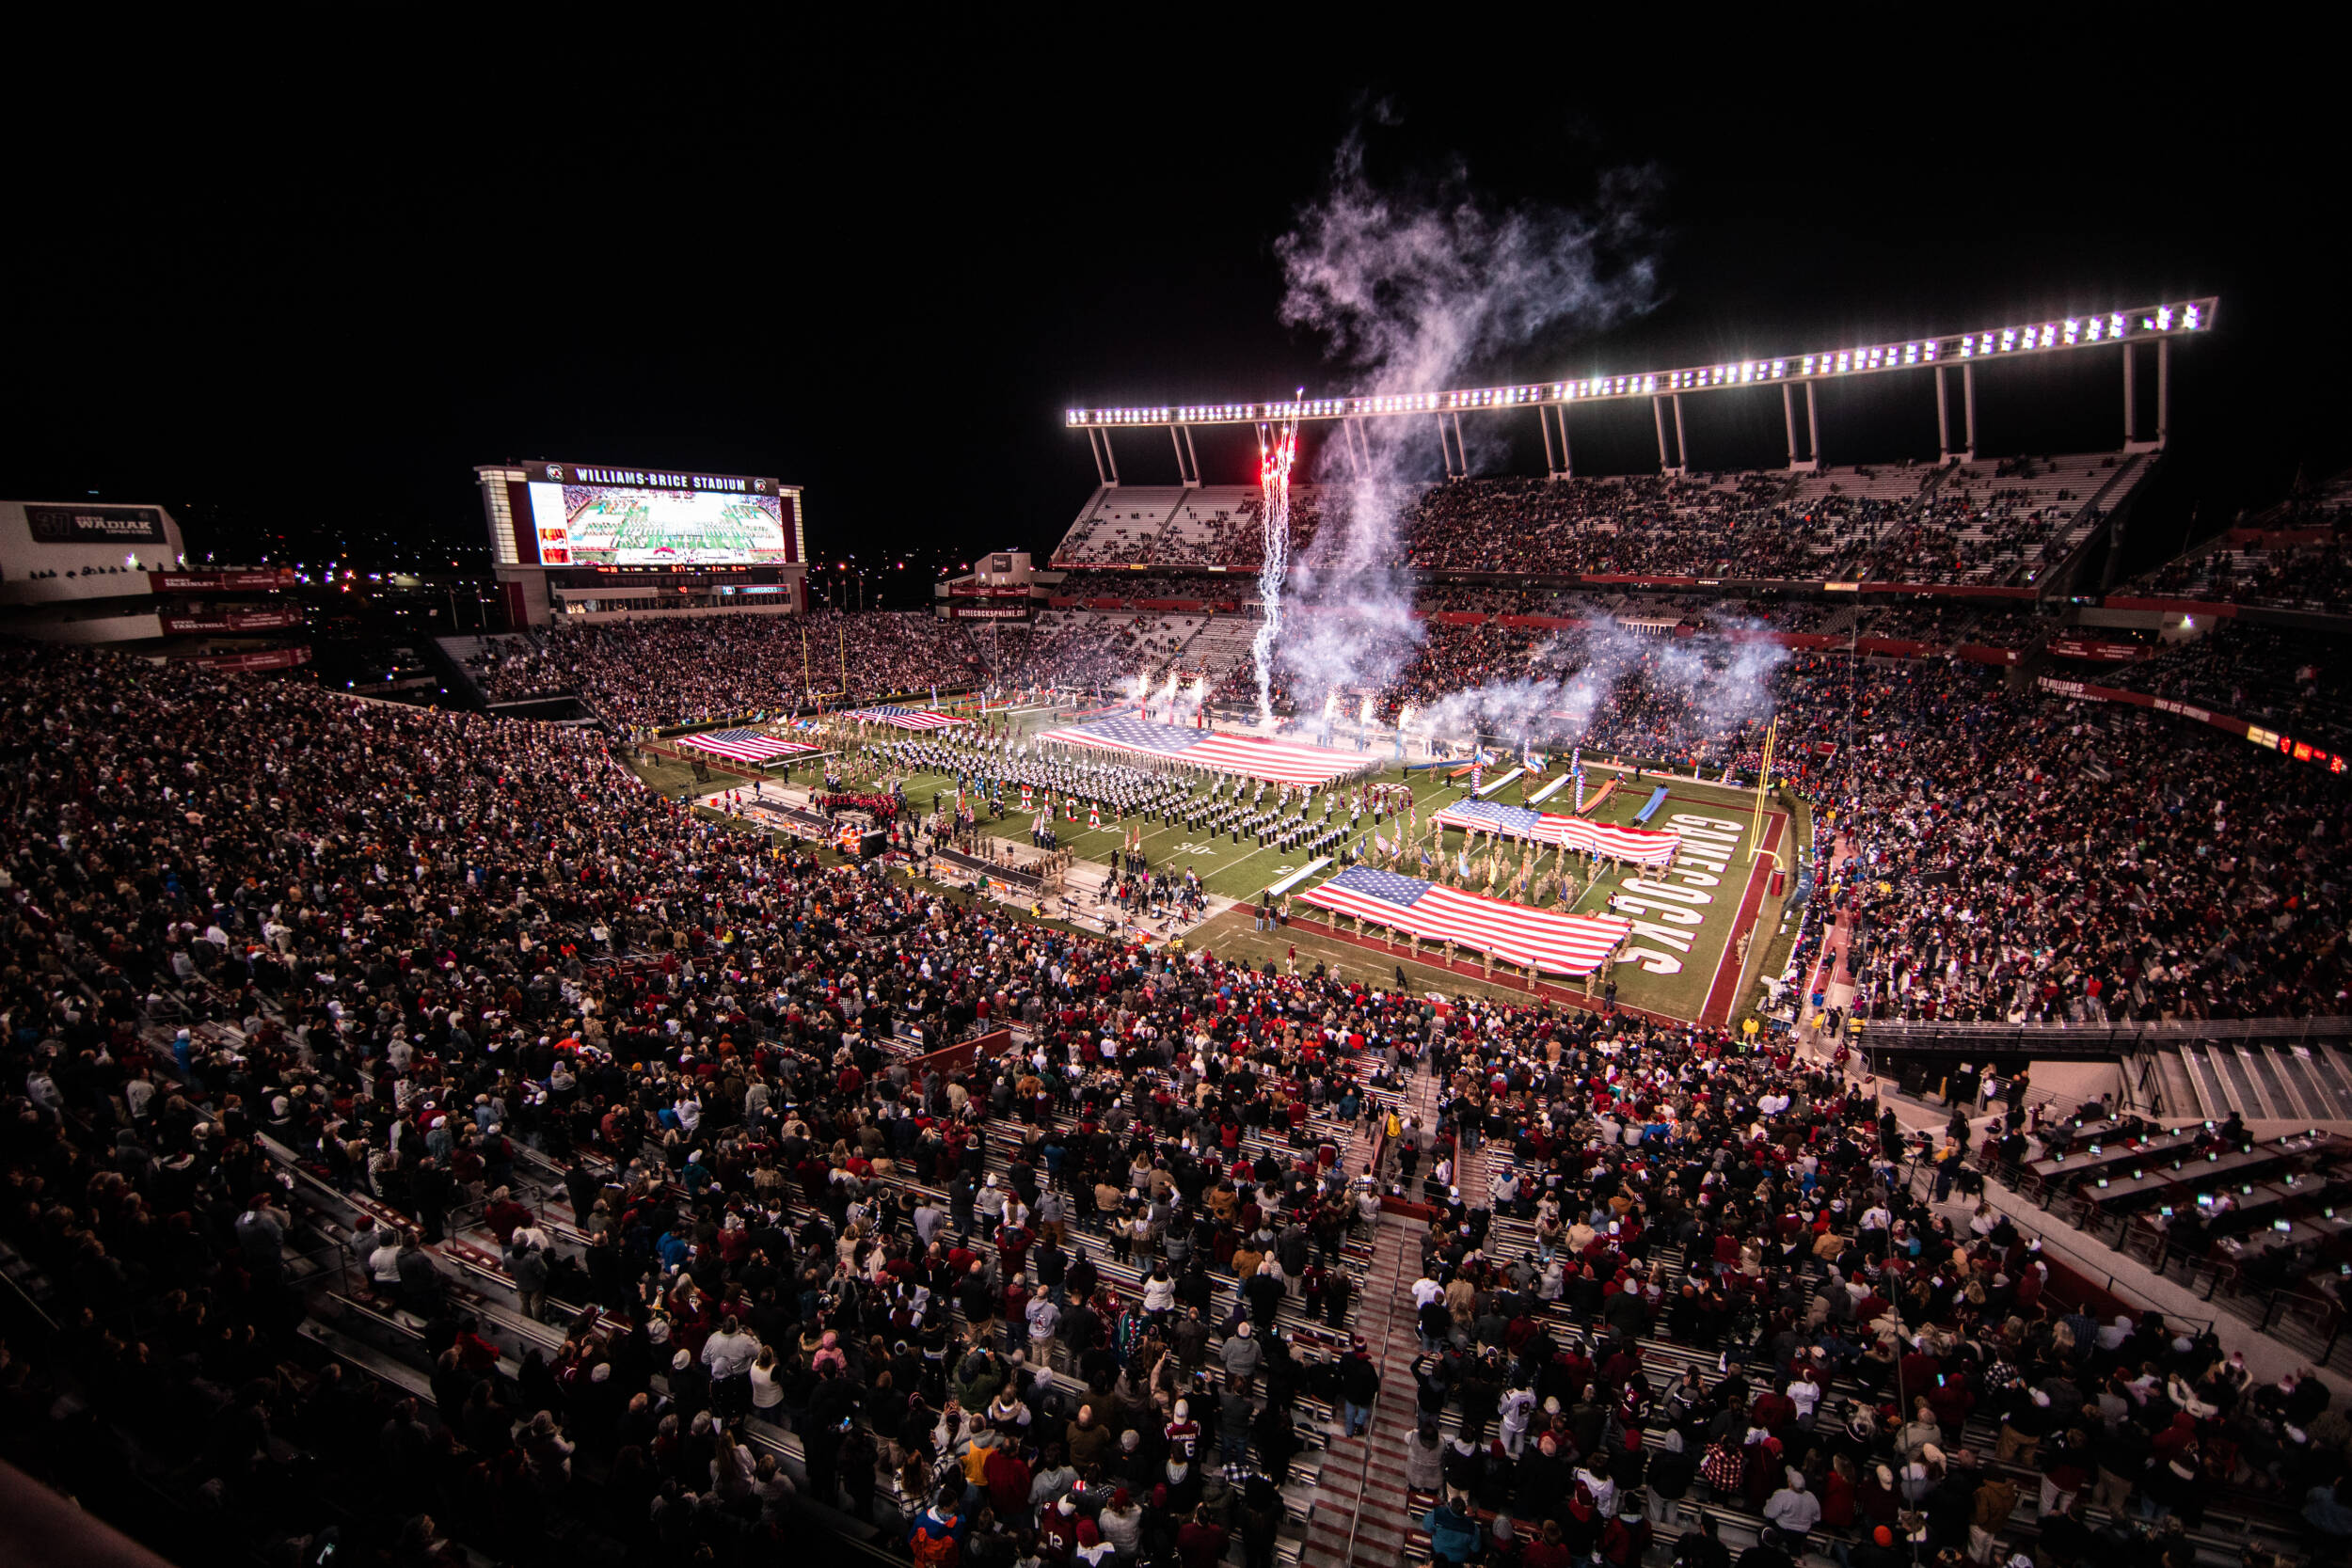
x: 1273, y: 483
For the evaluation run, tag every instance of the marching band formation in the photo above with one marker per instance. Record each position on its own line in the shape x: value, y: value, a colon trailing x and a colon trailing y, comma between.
x: 1056, y: 787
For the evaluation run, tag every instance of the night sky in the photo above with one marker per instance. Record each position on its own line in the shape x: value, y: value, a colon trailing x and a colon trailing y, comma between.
x: 298, y: 305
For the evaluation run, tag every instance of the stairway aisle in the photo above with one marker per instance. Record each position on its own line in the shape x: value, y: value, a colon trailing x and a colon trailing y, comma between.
x: 1362, y: 1492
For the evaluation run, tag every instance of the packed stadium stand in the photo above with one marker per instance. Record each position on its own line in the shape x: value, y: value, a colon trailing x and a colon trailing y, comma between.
x: 2290, y: 680
x: 468, y: 1153
x: 2002, y: 523
x: 1208, y: 527
x: 1120, y: 524
x: 1218, y: 525
x: 2290, y: 556
x: 652, y: 672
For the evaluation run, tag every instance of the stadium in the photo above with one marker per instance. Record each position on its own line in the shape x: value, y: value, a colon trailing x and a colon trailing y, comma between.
x: 1613, y: 963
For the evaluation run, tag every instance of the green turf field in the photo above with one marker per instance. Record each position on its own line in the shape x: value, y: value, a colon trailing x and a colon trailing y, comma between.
x: 1681, y: 936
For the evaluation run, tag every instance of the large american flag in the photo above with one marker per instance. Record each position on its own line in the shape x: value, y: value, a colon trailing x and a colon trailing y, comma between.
x: 745, y: 745
x: 1282, y: 761
x: 1641, y: 845
x: 1545, y: 939
x: 905, y: 718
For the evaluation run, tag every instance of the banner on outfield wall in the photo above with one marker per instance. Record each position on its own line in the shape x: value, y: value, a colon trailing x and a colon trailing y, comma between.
x: 102, y: 524
x: 2269, y: 739
x: 231, y: 621
x: 268, y: 658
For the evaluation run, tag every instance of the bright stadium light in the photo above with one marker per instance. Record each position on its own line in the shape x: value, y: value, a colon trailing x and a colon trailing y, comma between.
x: 2055, y: 334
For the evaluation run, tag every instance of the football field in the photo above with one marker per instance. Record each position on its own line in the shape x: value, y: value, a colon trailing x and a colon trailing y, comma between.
x: 1681, y: 961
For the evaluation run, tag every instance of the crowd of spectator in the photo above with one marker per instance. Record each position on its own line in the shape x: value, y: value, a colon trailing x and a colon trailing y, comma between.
x: 2005, y: 524
x: 1840, y: 1336
x: 2303, y: 576
x: 1231, y: 536
x: 2013, y: 627
x: 2310, y: 577
x: 435, y: 939
x: 652, y: 671
x: 515, y: 668
x: 2028, y: 860
x: 1150, y: 585
x: 2289, y: 681
x: 1087, y: 651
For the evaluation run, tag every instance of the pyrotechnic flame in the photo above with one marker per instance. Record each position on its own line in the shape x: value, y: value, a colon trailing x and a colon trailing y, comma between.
x: 1278, y: 449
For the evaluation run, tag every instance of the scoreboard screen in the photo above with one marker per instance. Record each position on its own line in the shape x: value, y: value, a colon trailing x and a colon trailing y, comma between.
x: 546, y: 514
x: 607, y: 525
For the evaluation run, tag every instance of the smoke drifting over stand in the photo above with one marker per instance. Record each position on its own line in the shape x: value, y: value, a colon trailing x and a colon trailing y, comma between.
x: 1414, y: 290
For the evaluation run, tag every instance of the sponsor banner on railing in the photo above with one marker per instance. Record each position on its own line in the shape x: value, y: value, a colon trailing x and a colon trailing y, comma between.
x: 2269, y: 739
x: 209, y: 583
x: 1953, y: 590
x: 2168, y: 606
x: 268, y: 658
x: 2098, y: 649
x: 230, y: 620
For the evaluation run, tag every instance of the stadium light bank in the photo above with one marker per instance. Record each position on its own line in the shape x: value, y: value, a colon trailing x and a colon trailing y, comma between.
x: 1551, y: 400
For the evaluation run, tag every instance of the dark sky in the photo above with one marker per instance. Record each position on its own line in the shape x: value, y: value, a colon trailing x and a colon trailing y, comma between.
x: 302, y: 287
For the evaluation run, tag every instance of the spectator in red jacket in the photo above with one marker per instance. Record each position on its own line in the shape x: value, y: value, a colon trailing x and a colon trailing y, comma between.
x: 1202, y: 1543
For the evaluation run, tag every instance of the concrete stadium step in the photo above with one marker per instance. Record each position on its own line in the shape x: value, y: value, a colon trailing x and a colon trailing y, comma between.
x: 2178, y: 1087
x: 2335, y: 1070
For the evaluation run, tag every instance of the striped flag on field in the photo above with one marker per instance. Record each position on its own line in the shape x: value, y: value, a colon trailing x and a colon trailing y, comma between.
x: 1563, y: 943
x: 744, y: 745
x: 1281, y: 761
x: 1640, y: 845
x: 905, y: 718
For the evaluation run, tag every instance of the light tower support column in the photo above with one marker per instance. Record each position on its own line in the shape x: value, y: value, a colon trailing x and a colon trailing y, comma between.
x: 1789, y: 417
x: 1812, y: 425
x: 1943, y: 420
x: 1094, y: 447
x: 1968, y: 410
x: 2131, y: 356
x: 1658, y: 412
x: 1682, y: 447
x: 1194, y: 454
x: 1543, y: 422
x: 2164, y: 390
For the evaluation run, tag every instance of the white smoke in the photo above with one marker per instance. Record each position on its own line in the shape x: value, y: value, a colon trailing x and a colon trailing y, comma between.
x: 1704, y: 687
x: 1416, y: 289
